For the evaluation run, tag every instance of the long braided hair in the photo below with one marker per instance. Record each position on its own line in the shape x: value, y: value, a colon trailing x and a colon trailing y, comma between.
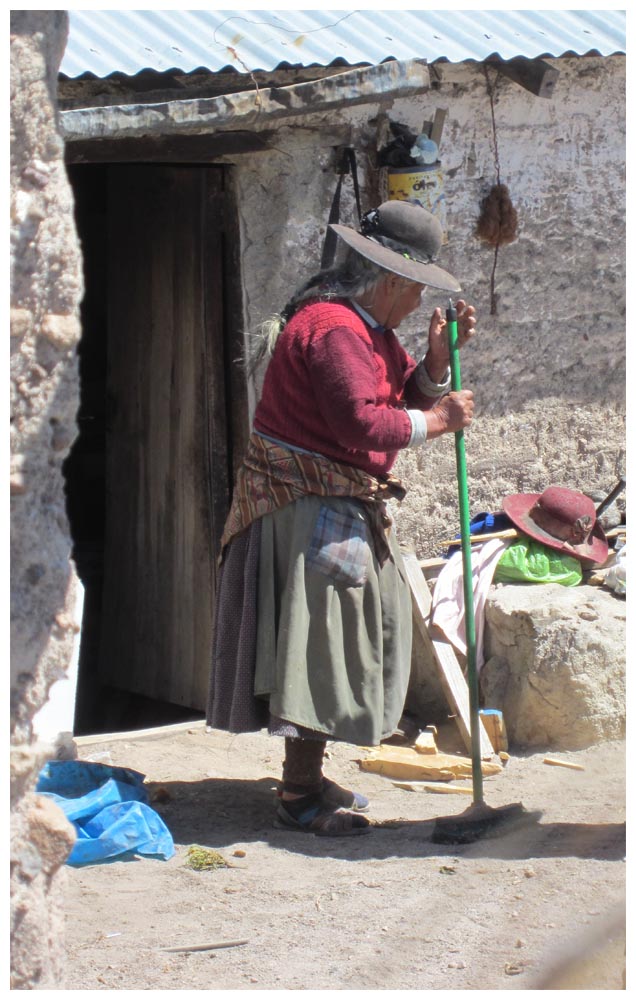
x: 355, y: 276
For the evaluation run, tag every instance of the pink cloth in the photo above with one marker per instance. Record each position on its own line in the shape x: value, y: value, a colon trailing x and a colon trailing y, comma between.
x: 448, y: 609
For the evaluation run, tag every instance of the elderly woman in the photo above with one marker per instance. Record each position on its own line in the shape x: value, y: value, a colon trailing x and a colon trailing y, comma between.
x: 313, y: 617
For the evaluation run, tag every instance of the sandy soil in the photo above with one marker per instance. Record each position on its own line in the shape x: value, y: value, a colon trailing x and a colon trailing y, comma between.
x: 386, y: 911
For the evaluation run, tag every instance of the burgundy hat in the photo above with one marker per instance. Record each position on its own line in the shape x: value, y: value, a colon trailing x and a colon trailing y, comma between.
x: 562, y: 519
x: 404, y: 238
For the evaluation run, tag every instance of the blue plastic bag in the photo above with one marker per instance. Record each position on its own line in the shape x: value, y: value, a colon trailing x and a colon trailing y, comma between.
x: 109, y: 809
x: 484, y: 523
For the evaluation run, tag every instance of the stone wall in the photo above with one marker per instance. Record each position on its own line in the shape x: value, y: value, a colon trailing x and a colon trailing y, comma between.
x: 555, y: 664
x: 548, y: 368
x: 45, y: 294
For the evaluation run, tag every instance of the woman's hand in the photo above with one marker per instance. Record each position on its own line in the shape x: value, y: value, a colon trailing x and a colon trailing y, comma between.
x: 437, y: 356
x: 454, y: 412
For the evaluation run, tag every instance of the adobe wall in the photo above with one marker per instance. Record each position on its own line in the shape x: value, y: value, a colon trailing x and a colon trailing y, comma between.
x: 548, y: 368
x: 45, y: 294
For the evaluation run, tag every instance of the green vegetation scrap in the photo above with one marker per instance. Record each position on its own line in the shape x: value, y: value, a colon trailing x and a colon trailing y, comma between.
x: 204, y: 859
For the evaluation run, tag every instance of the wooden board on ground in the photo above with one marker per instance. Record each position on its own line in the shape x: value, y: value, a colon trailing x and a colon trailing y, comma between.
x: 450, y: 672
x: 423, y: 786
x: 425, y: 743
x: 405, y: 763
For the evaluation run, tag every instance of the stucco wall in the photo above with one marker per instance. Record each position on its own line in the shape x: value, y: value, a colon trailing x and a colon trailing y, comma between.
x: 548, y: 369
x: 45, y: 294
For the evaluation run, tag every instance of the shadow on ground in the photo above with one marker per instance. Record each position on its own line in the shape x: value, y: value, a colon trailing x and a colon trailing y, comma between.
x: 221, y: 812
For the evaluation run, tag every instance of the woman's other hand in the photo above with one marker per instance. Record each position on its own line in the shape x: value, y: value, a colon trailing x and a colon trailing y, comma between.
x: 454, y: 412
x: 437, y: 356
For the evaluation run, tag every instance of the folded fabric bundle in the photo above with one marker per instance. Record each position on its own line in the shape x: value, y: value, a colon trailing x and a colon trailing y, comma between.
x: 448, y: 610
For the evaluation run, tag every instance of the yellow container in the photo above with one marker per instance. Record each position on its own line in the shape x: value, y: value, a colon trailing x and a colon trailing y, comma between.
x: 423, y: 185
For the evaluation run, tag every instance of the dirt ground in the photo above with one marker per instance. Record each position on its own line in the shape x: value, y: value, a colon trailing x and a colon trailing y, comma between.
x: 386, y: 911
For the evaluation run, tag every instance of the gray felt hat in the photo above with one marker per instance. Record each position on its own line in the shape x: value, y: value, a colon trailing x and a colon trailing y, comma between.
x: 404, y: 238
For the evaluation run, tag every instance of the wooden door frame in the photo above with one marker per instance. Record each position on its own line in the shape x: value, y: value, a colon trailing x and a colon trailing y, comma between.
x: 221, y: 371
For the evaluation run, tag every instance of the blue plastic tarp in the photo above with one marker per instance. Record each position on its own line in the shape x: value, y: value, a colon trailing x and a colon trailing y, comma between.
x: 108, y: 806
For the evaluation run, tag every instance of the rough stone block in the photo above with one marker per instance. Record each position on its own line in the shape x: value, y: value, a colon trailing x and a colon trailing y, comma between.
x: 555, y: 664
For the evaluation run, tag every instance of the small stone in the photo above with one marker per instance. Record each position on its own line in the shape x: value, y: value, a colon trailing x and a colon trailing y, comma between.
x: 513, y: 969
x: 37, y: 173
x: 51, y: 833
x: 63, y: 331
x: 20, y: 322
x: 66, y: 623
x: 239, y: 853
x: 529, y: 873
x: 17, y: 486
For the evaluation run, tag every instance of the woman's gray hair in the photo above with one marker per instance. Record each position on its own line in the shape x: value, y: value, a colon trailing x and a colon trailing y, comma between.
x: 353, y: 277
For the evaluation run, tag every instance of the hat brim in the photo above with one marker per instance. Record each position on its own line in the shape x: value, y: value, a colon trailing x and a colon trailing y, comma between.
x: 391, y: 260
x: 518, y: 508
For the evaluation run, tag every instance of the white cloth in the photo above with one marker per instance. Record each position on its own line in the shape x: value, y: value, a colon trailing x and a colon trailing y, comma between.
x: 616, y: 577
x: 448, y: 610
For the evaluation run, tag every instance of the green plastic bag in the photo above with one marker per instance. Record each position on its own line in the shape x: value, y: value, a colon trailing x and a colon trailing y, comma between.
x: 527, y: 561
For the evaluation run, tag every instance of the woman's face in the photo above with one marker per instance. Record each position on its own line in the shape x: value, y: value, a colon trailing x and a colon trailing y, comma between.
x: 403, y: 298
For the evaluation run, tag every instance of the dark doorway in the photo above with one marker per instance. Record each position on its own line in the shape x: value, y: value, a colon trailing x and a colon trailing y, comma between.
x: 149, y: 477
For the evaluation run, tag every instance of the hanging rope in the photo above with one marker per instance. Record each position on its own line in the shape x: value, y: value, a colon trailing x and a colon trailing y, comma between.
x: 497, y: 223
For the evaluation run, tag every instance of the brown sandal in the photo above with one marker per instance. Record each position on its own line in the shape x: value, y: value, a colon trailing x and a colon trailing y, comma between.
x: 335, y: 796
x: 311, y: 815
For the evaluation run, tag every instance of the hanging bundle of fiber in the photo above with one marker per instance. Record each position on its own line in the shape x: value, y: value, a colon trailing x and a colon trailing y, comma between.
x: 497, y: 222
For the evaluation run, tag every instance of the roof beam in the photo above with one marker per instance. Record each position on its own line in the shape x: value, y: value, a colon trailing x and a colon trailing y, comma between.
x: 248, y: 108
x: 535, y: 75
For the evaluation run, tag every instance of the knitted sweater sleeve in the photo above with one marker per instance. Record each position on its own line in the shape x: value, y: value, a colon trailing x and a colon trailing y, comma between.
x: 343, y: 376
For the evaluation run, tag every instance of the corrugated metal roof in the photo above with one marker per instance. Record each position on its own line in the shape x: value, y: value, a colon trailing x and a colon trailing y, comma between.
x: 103, y: 42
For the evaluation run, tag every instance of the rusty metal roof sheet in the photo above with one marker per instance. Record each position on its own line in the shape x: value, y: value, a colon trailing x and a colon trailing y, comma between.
x: 103, y: 42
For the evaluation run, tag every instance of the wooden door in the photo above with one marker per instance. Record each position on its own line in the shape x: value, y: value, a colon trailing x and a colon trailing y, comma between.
x: 167, y: 467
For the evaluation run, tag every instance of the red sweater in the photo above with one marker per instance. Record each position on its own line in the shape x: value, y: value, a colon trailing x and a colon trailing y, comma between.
x: 338, y: 387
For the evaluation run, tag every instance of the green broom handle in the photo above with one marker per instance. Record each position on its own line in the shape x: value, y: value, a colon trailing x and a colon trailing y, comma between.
x: 464, y: 521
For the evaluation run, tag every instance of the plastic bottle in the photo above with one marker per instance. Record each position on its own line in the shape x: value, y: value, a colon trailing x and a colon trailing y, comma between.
x: 424, y: 151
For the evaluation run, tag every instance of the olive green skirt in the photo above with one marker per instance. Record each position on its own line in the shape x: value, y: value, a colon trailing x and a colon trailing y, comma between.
x: 334, y: 628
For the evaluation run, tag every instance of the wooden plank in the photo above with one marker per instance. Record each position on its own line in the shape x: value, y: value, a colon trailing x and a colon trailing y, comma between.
x: 425, y: 743
x: 563, y: 763
x: 493, y: 722
x: 450, y: 672
x: 485, y: 537
x: 359, y: 85
x: 534, y: 75
x: 132, y: 735
x: 423, y: 786
x: 168, y: 149
x: 438, y: 126
x: 405, y: 763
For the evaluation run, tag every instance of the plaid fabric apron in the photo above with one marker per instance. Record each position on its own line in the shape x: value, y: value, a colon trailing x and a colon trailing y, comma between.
x: 272, y: 476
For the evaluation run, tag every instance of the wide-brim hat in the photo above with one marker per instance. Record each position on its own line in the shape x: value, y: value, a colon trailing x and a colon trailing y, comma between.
x: 562, y: 519
x: 402, y: 237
